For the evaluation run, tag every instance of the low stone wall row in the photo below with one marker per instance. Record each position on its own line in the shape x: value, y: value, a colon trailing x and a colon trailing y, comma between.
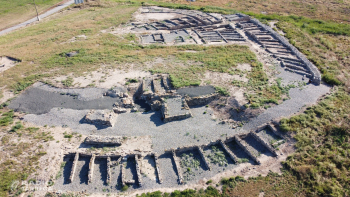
x: 311, y: 67
x: 109, y: 173
x: 138, y: 170
x: 206, y: 162
x: 264, y: 143
x: 228, y: 151
x: 201, y: 100
x: 244, y: 146
x: 160, y: 179
x: 91, y: 169
x: 74, y: 166
x: 178, y: 168
x: 104, y: 140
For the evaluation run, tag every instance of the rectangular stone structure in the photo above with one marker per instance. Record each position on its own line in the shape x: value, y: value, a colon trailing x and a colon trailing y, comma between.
x: 266, y: 144
x: 200, y: 150
x: 74, y: 166
x: 228, y: 151
x: 244, y: 146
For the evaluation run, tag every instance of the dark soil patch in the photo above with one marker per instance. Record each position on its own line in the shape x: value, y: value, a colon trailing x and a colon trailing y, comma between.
x: 38, y: 101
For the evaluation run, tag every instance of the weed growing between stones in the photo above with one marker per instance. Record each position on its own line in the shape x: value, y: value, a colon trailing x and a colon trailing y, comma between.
x: 217, y: 156
x: 60, y: 172
x: 189, y: 163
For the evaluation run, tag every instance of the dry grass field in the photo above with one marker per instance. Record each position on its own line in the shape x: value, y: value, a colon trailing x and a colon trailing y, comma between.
x: 336, y: 10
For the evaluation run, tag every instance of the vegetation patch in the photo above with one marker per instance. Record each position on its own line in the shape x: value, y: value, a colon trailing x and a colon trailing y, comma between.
x: 189, y: 163
x: 217, y: 156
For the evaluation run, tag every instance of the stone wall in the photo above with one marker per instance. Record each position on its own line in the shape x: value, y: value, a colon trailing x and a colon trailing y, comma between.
x: 266, y: 144
x: 274, y: 130
x: 228, y: 151
x: 311, y: 67
x: 74, y: 166
x: 246, y: 149
x: 155, y: 155
x: 104, y: 140
x: 105, y: 118
x: 109, y: 174
x: 138, y: 170
x: 168, y: 118
x: 91, y: 168
x: 178, y: 168
x: 201, y: 100
x: 200, y: 150
x: 122, y: 172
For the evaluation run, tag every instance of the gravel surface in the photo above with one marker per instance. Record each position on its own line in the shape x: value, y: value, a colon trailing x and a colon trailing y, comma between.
x: 38, y: 101
x: 164, y: 135
x: 299, y: 98
x: 196, y: 91
x: 84, y: 94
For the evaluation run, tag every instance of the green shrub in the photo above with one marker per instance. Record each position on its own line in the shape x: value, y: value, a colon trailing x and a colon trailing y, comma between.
x: 68, y: 82
x: 125, y: 188
x: 209, y: 182
x: 223, y: 91
x: 16, y: 127
x: 330, y: 79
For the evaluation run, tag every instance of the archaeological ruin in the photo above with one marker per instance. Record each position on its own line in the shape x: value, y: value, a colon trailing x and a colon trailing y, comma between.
x: 146, y: 134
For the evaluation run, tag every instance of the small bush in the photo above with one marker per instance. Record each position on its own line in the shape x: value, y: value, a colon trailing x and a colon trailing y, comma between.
x: 125, y: 188
x: 209, y: 182
x: 68, y: 82
x: 16, y: 127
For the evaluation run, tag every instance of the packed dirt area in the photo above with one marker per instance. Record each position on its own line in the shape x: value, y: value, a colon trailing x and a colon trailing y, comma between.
x: 149, y: 135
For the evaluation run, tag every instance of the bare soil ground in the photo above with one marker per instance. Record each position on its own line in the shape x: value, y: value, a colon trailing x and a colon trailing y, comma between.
x: 6, y: 63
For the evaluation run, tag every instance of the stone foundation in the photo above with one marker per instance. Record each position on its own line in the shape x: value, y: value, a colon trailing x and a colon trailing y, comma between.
x: 185, y: 112
x: 201, y: 100
x: 104, y: 118
x: 109, y: 174
x: 244, y: 146
x: 228, y: 151
x: 104, y: 140
x: 311, y: 67
x: 91, y: 169
x: 267, y: 145
x: 200, y: 150
x: 74, y: 166
x: 178, y: 168
x: 160, y: 179
x: 138, y: 170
